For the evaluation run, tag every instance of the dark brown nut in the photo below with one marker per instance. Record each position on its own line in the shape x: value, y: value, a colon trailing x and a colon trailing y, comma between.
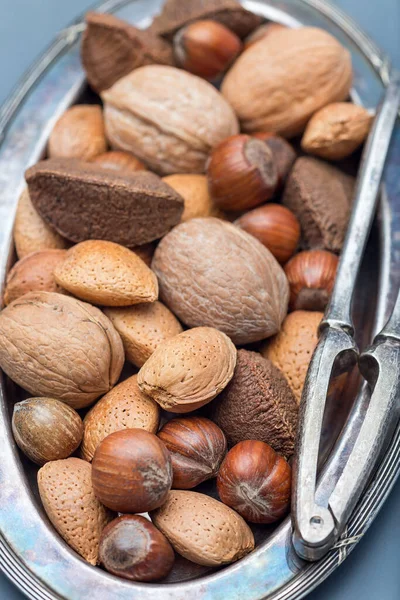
x: 320, y: 196
x: 275, y: 226
x: 241, y: 173
x: 111, y: 48
x: 119, y: 161
x: 79, y: 133
x: 255, y: 481
x: 34, y: 273
x: 145, y: 252
x: 257, y: 404
x: 132, y: 548
x: 206, y: 48
x: 46, y: 429
x: 176, y: 14
x: 197, y: 447
x: 283, y: 153
x: 311, y: 275
x: 129, y: 210
x: 132, y: 471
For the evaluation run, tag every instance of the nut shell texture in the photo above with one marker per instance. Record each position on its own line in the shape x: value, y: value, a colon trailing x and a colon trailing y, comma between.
x: 279, y: 82
x: 66, y: 492
x: 79, y: 133
x: 168, y: 118
x: 212, y: 273
x: 142, y: 328
x: 189, y: 370
x: 194, y: 191
x: 106, y: 273
x: 55, y: 346
x: 124, y: 407
x: 258, y: 404
x: 202, y: 529
x: 291, y: 350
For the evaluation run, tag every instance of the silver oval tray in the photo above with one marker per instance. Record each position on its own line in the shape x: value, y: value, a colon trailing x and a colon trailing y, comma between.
x: 31, y: 552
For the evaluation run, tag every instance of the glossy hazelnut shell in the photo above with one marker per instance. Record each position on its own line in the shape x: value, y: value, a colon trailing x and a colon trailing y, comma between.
x: 283, y: 153
x: 197, y: 447
x: 132, y: 471
x: 255, y: 481
x: 133, y: 548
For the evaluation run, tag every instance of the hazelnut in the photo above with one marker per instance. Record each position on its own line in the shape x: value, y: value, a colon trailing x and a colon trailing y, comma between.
x: 275, y: 226
x: 255, y: 481
x: 311, y: 275
x: 132, y: 548
x: 241, y: 173
x: 119, y: 161
x: 197, y: 447
x: 206, y: 48
x: 78, y: 133
x: 283, y: 153
x: 46, y: 429
x: 132, y: 471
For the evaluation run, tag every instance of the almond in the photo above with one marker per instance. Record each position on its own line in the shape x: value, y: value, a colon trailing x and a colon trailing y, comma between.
x: 124, y: 407
x: 337, y: 130
x: 106, y: 273
x: 189, y: 370
x: 65, y: 488
x: 142, y: 328
x: 34, y: 273
x: 194, y: 191
x: 31, y: 233
x: 79, y: 133
x: 202, y: 529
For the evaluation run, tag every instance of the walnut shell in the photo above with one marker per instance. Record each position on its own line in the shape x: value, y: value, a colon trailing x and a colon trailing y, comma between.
x: 282, y: 80
x: 335, y: 131
x: 203, y: 529
x: 55, y: 346
x: 65, y: 488
x: 106, y: 273
x: 188, y: 370
x: 213, y: 273
x: 78, y: 133
x: 258, y: 404
x: 124, y: 407
x: 31, y: 233
x: 34, y: 273
x: 167, y: 117
x: 142, y: 328
x: 292, y: 348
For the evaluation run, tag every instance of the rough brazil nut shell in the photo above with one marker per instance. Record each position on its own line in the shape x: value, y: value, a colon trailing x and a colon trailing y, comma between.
x: 65, y: 488
x: 31, y: 233
x: 188, y: 370
x: 112, y: 48
x: 34, y: 273
x: 55, y: 346
x: 106, y: 273
x: 124, y: 407
x: 79, y: 133
x: 211, y: 273
x: 168, y: 118
x: 258, y: 404
x: 128, y: 209
x: 307, y: 69
x: 143, y: 328
x: 202, y: 529
x: 291, y: 350
x: 46, y: 429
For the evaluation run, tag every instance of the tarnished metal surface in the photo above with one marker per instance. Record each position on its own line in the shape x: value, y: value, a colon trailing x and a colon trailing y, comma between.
x: 30, y: 550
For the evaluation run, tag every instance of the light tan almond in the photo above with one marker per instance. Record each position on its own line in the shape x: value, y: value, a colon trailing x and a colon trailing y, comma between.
x: 292, y: 348
x: 337, y: 130
x: 189, y: 370
x: 107, y: 274
x: 194, y: 191
x: 79, y: 133
x: 65, y: 488
x: 142, y: 328
x: 31, y: 233
x: 124, y: 407
x: 203, y: 529
x: 33, y: 273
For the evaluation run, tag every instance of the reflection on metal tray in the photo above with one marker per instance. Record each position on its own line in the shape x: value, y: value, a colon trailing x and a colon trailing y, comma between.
x: 31, y: 552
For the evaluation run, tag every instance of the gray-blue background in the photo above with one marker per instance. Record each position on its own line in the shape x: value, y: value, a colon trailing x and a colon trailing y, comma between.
x: 372, y: 572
